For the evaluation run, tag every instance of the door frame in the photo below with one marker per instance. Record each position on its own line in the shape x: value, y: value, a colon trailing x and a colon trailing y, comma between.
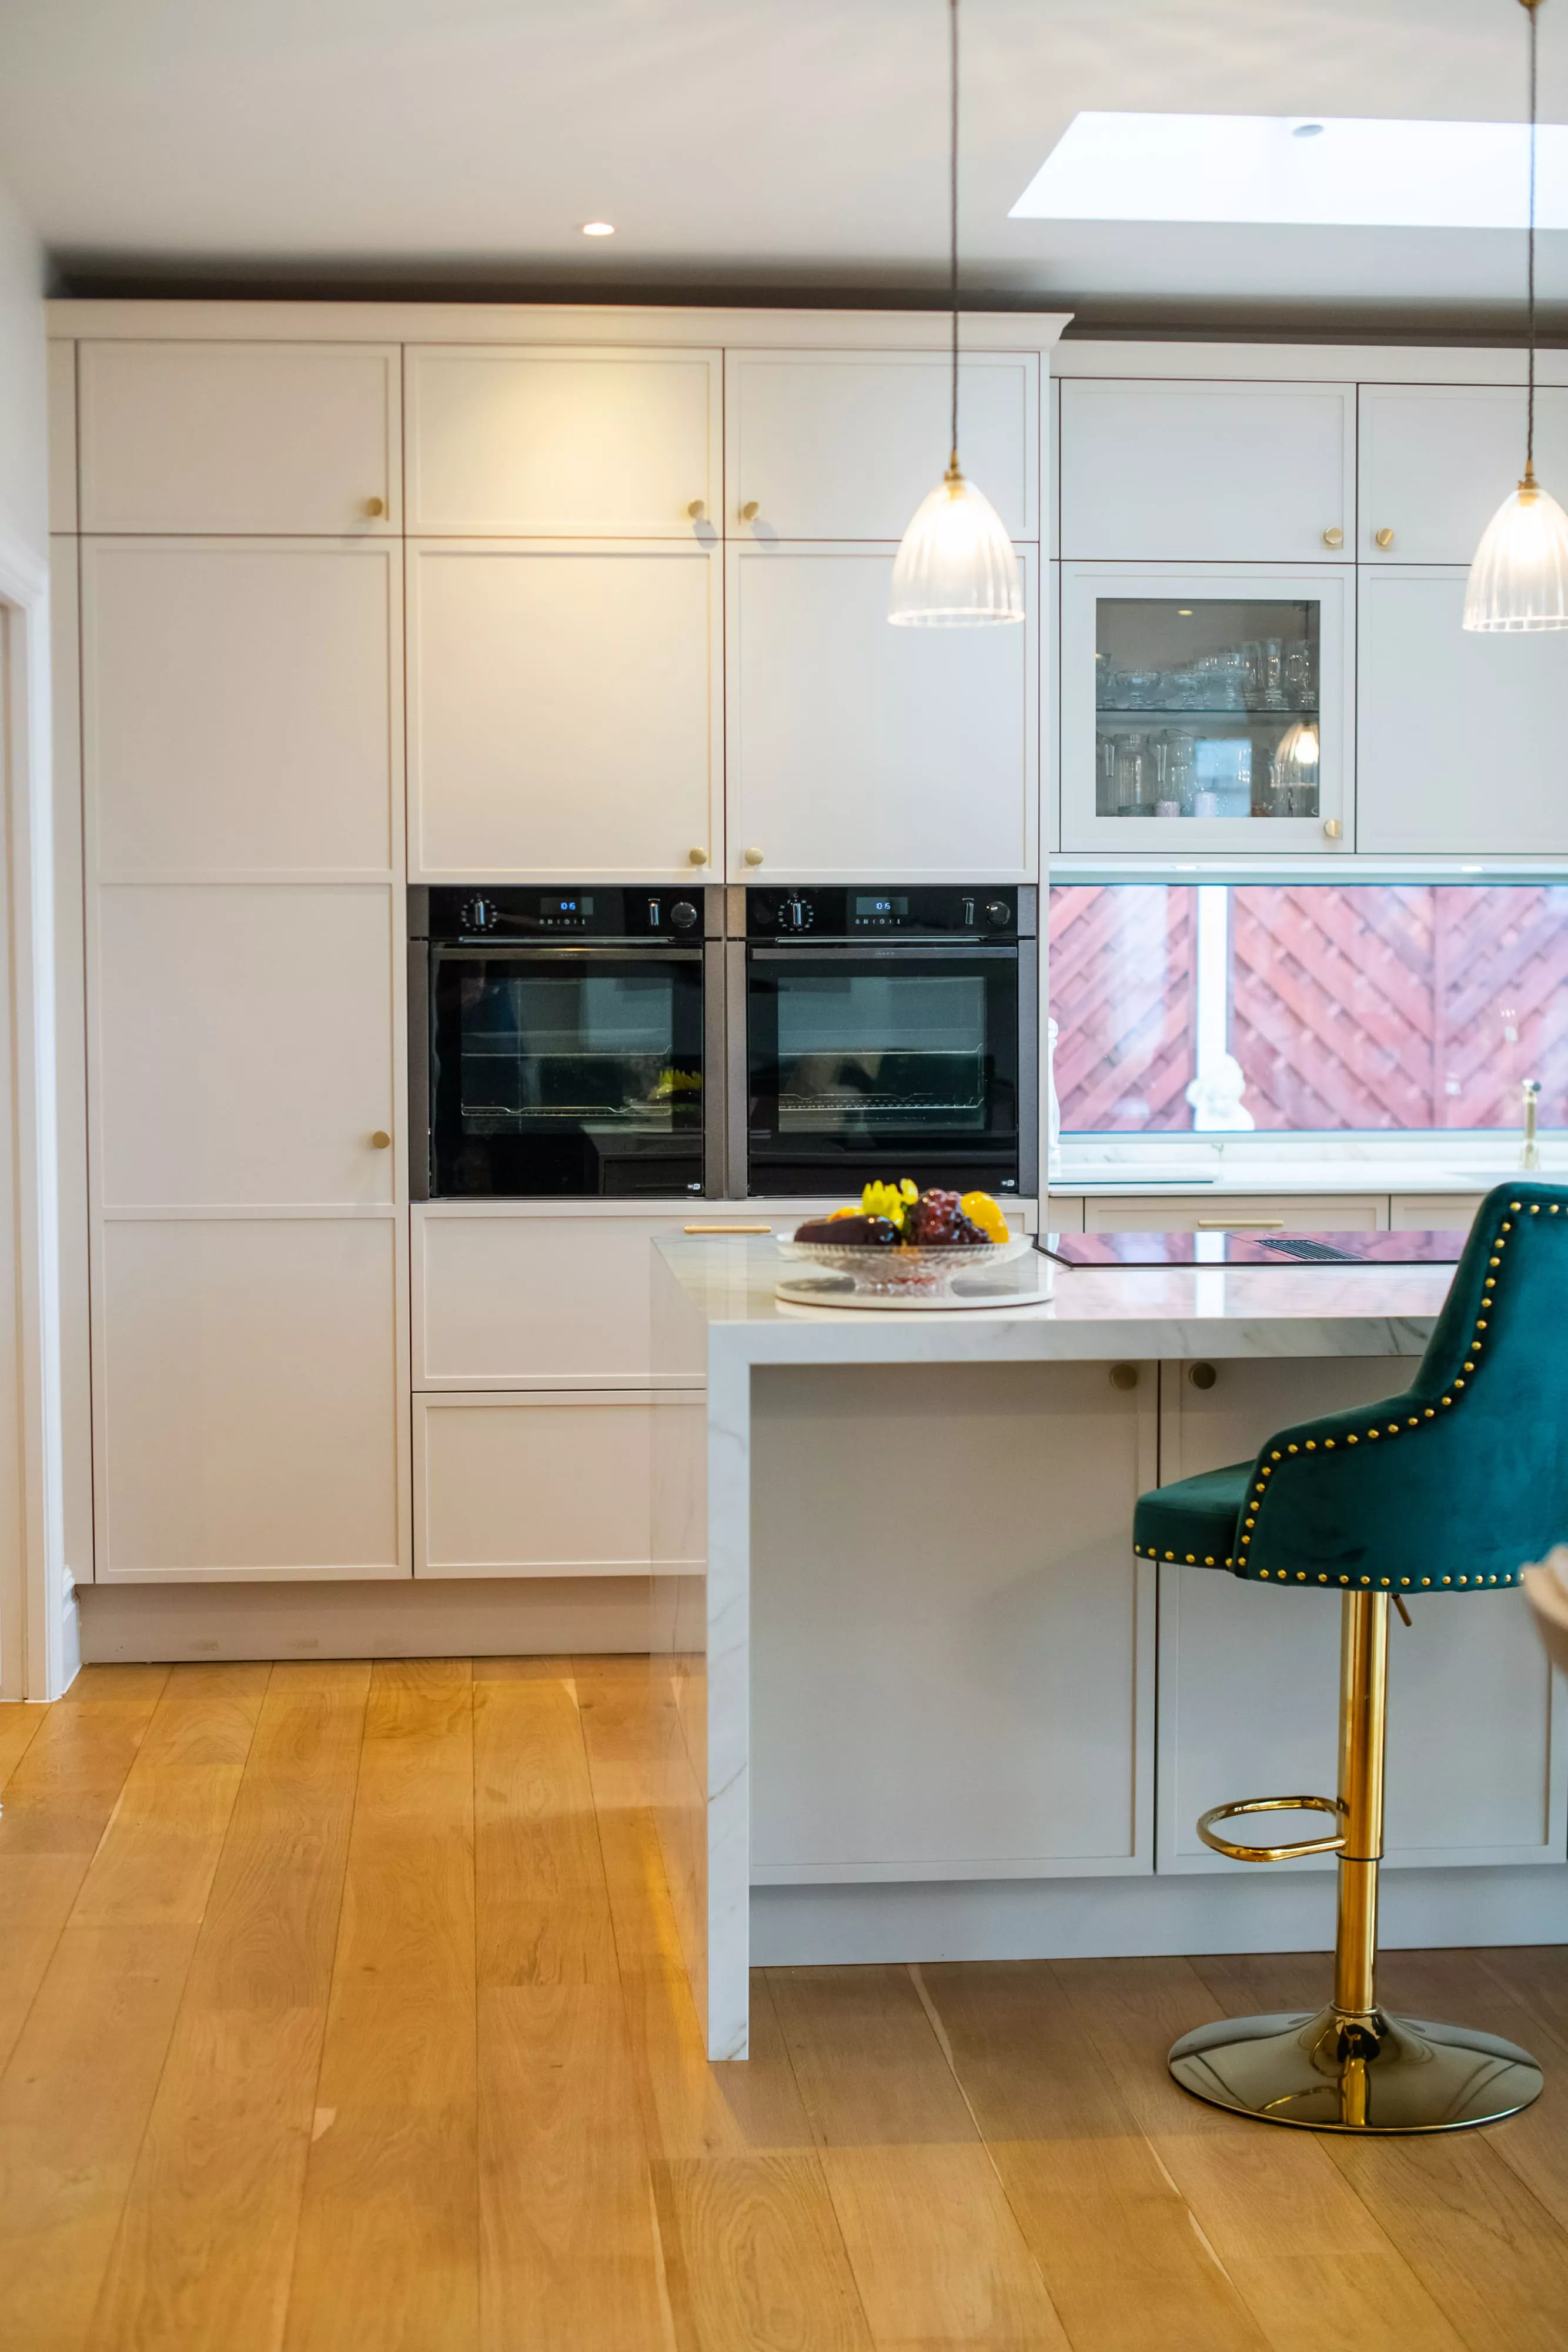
x: 38, y: 1648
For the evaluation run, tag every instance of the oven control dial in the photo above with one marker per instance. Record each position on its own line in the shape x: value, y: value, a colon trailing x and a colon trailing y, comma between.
x: 998, y: 914
x: 683, y: 915
x: 479, y: 915
x: 796, y: 914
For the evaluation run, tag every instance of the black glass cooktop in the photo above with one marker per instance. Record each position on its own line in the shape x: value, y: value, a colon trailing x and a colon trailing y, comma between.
x: 1241, y: 1248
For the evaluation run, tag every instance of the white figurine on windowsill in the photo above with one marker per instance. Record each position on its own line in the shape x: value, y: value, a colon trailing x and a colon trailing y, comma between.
x: 1216, y: 1097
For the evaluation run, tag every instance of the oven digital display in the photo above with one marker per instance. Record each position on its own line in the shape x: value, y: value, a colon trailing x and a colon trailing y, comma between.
x: 566, y: 905
x: 880, y: 910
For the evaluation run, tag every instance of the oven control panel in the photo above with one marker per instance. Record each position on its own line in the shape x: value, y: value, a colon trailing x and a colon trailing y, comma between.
x: 975, y: 912
x: 507, y: 915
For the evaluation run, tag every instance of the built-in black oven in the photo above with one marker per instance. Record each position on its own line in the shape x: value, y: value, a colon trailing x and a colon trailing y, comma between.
x: 888, y: 1032
x: 565, y: 1042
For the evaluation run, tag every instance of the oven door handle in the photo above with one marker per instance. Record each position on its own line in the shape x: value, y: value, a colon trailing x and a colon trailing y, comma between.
x: 849, y: 953
x: 516, y: 952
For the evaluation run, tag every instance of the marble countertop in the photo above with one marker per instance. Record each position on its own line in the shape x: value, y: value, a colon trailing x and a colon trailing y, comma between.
x: 714, y: 1301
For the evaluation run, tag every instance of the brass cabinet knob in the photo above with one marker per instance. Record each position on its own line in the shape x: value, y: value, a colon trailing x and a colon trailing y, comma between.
x: 697, y: 509
x: 375, y: 506
x: 1333, y: 536
x: 1385, y: 538
x: 1202, y: 1376
x: 1124, y: 1376
x: 754, y: 857
x: 697, y: 856
x: 1332, y: 827
x: 381, y: 1140
x: 751, y: 510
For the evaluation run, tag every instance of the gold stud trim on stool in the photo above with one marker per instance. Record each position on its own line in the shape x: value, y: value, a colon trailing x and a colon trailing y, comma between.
x: 1394, y: 1429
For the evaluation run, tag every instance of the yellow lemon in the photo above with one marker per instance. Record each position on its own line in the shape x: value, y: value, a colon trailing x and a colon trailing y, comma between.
x: 982, y: 1210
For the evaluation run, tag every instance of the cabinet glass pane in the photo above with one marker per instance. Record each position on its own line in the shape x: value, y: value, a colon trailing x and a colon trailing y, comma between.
x: 1206, y: 707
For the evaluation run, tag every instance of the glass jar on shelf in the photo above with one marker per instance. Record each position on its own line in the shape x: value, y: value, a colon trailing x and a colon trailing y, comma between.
x: 1135, y: 778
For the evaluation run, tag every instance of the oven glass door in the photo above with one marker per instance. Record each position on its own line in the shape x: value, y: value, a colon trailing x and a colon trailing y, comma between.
x: 566, y: 1070
x: 898, y: 1062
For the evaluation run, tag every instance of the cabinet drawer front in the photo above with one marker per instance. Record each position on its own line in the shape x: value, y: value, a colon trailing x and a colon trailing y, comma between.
x: 838, y: 446
x: 247, y: 1419
x: 564, y: 709
x: 857, y: 749
x: 540, y: 1486
x: 1458, y: 729
x: 241, y: 706
x: 1329, y: 1212
x: 1438, y: 460
x: 240, y: 436
x: 1200, y: 473
x: 563, y: 442
x: 534, y: 1301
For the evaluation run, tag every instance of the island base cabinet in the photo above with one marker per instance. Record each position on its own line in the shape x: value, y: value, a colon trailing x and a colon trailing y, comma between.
x: 1249, y: 1676
x: 952, y: 1643
x: 541, y: 1484
x: 247, y: 1372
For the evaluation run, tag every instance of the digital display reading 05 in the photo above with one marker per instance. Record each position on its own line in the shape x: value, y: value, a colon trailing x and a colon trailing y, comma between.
x: 874, y: 910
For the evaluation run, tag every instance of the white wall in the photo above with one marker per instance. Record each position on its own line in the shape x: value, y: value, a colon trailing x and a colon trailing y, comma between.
x: 24, y: 477
x: 35, y: 1660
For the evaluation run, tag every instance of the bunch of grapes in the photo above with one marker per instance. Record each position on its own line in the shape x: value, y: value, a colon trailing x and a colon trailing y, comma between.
x: 937, y: 1222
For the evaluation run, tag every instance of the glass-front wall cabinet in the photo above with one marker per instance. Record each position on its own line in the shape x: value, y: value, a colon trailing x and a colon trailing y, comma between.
x: 1213, y: 700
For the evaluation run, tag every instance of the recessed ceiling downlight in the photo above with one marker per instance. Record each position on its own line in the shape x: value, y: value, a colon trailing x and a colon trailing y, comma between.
x: 598, y: 228
x: 1314, y: 171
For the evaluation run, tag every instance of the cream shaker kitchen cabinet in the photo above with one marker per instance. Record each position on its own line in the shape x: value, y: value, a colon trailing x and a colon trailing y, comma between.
x: 229, y: 437
x: 859, y: 751
x: 542, y: 1485
x: 521, y: 1295
x: 563, y: 444
x: 243, y: 847
x: 844, y: 444
x: 251, y: 1408
x: 242, y: 708
x: 1207, y: 473
x: 1437, y: 460
x: 1458, y: 731
x: 565, y: 709
x: 1206, y: 708
x: 1249, y: 1676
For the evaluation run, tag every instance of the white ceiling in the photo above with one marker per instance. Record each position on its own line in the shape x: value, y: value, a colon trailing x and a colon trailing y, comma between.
x: 756, y: 144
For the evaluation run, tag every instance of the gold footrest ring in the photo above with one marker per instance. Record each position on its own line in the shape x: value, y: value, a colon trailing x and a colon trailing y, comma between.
x: 1290, y: 1852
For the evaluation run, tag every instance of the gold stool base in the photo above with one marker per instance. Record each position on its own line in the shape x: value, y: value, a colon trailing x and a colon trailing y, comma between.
x: 1376, y: 2073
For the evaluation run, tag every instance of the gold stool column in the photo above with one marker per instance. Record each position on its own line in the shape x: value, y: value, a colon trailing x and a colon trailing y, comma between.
x: 1351, y: 2067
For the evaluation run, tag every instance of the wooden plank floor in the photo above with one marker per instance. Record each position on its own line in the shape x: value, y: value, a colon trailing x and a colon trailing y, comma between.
x: 340, y: 2007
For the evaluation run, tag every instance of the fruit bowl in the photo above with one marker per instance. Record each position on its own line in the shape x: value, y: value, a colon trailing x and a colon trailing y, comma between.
x: 899, y: 1272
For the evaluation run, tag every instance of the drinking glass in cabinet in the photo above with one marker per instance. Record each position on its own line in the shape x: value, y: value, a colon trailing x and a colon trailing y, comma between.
x: 1240, y: 675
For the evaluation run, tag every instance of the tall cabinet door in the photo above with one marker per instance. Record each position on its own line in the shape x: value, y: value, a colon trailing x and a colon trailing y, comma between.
x: 565, y: 701
x: 857, y: 750
x: 242, y: 766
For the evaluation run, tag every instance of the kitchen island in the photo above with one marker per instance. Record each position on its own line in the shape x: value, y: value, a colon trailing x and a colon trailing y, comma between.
x: 921, y: 1702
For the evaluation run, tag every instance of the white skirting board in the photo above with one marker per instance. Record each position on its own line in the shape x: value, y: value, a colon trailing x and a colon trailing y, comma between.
x: 1073, y: 1919
x: 481, y: 1617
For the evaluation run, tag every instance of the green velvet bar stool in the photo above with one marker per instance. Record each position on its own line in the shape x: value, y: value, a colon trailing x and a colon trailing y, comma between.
x: 1448, y: 1489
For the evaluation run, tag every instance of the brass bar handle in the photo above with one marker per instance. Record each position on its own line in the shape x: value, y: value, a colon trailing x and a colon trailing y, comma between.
x: 728, y: 1229
x: 1290, y: 1852
x: 1241, y: 1225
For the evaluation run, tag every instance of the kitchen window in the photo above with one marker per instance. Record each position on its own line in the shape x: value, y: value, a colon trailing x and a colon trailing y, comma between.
x: 1306, y: 1007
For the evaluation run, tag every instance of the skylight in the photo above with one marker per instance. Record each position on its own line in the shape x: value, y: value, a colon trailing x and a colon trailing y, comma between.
x: 1319, y: 171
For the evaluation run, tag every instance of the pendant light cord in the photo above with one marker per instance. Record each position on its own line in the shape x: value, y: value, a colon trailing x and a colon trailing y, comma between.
x: 953, y: 201
x: 1534, y: 6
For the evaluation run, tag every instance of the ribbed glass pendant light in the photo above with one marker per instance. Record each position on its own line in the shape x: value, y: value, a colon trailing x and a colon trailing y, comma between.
x: 956, y: 567
x: 1519, y: 578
